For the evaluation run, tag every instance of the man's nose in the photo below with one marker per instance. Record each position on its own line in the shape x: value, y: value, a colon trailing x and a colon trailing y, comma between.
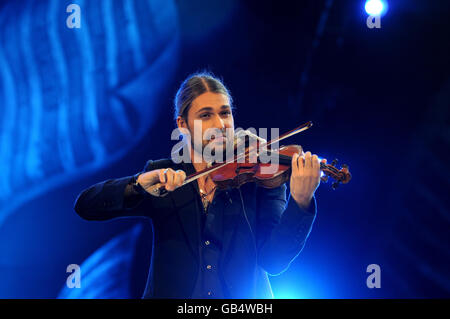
x: 218, y: 122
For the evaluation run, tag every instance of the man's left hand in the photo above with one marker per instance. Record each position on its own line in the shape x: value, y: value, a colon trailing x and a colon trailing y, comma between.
x: 305, y: 178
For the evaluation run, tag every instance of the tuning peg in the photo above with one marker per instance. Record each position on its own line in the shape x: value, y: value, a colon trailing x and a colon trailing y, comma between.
x: 334, y: 162
x: 344, y: 166
x: 335, y: 185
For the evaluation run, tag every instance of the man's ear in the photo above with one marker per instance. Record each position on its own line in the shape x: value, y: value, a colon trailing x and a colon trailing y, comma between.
x: 181, y: 122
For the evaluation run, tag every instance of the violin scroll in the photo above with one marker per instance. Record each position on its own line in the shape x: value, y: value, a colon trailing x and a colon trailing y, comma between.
x: 339, y: 176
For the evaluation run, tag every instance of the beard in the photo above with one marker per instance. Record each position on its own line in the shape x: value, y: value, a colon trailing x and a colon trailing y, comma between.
x: 213, y: 151
x: 217, y: 147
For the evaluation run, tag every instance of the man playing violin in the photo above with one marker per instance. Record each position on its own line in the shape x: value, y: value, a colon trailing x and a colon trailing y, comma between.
x: 211, y: 242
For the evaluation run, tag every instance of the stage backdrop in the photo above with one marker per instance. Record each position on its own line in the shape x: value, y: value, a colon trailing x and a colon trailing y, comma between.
x: 86, y: 95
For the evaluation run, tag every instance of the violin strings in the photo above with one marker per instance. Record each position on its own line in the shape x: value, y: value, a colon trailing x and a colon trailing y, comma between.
x: 197, y: 175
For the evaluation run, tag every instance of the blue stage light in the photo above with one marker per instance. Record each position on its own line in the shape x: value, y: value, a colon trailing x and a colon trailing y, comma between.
x: 376, y: 7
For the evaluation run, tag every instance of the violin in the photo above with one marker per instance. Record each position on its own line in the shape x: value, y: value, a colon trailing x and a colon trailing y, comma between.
x: 239, y: 170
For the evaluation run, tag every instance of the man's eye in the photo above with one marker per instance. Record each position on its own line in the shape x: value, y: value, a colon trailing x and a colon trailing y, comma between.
x: 226, y: 113
x: 205, y: 115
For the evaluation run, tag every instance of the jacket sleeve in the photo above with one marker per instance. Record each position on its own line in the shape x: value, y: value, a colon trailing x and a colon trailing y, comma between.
x: 112, y: 198
x: 282, y: 228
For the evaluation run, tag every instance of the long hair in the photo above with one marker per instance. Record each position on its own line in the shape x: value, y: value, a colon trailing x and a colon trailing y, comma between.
x: 195, y: 85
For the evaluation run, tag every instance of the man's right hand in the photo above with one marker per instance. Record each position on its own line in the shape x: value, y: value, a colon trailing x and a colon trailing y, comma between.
x: 168, y: 177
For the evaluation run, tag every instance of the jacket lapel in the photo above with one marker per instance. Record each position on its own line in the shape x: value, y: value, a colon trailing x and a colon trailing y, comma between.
x: 231, y: 214
x: 189, y: 210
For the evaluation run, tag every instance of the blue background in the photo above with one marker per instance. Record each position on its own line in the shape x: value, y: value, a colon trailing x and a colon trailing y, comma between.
x: 79, y: 106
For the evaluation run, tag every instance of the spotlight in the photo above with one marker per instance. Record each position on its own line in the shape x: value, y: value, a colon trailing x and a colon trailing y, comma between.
x: 376, y: 7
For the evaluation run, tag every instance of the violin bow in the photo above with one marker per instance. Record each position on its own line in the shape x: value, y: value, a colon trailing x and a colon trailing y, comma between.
x: 159, y: 190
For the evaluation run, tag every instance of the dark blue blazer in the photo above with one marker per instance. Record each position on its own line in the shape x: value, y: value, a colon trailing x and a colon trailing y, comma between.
x: 262, y: 233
